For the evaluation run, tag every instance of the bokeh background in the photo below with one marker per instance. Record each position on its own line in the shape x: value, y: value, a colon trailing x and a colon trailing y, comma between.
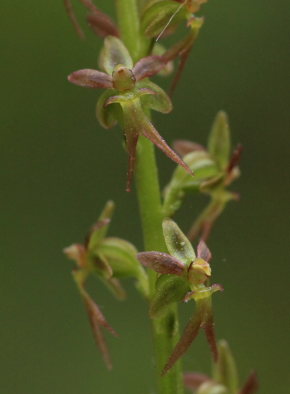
x: 58, y: 167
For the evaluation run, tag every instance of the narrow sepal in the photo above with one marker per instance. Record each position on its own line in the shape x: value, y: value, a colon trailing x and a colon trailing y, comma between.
x: 169, y: 289
x: 158, y: 100
x: 114, y: 53
x: 203, y: 251
x: 162, y: 263
x: 90, y: 79
x: 148, y: 66
x: 251, y: 386
x: 219, y: 143
x: 177, y: 243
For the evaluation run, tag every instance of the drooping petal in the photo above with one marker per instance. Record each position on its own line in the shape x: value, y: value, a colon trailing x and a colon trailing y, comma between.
x: 177, y: 243
x: 185, y: 341
x: 149, y: 131
x: 162, y: 263
x: 251, y: 386
x: 208, y: 326
x: 148, y: 66
x: 91, y: 79
x: 113, y: 54
x: 203, y: 251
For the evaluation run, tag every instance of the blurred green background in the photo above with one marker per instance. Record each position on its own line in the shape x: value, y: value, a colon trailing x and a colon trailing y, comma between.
x: 59, y: 167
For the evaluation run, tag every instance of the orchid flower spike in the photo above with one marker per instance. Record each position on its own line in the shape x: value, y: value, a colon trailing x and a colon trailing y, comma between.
x: 184, y: 276
x: 128, y: 95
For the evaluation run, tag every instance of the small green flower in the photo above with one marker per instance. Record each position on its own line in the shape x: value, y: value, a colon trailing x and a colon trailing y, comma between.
x: 225, y: 377
x: 109, y: 258
x: 184, y: 276
x: 128, y: 96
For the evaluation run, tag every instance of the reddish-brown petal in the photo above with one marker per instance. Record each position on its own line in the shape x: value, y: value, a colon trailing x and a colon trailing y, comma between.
x: 185, y: 341
x: 203, y: 251
x: 102, y: 25
x: 251, y: 386
x: 208, y: 326
x: 91, y: 78
x: 148, y: 66
x: 162, y: 263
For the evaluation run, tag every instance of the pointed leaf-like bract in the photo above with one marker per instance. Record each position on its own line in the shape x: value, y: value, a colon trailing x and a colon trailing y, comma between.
x: 225, y: 371
x: 169, y: 289
x: 148, y: 66
x: 219, y: 143
x: 203, y: 251
x: 251, y: 386
x: 177, y: 243
x: 113, y: 54
x: 89, y: 78
x: 162, y: 263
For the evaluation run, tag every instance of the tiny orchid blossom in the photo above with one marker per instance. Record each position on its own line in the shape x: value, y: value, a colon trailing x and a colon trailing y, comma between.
x: 109, y: 258
x: 183, y: 277
x: 129, y: 90
x: 224, y: 378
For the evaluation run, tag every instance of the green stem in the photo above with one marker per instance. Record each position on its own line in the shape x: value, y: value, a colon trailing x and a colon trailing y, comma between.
x: 165, y: 330
x: 128, y: 22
